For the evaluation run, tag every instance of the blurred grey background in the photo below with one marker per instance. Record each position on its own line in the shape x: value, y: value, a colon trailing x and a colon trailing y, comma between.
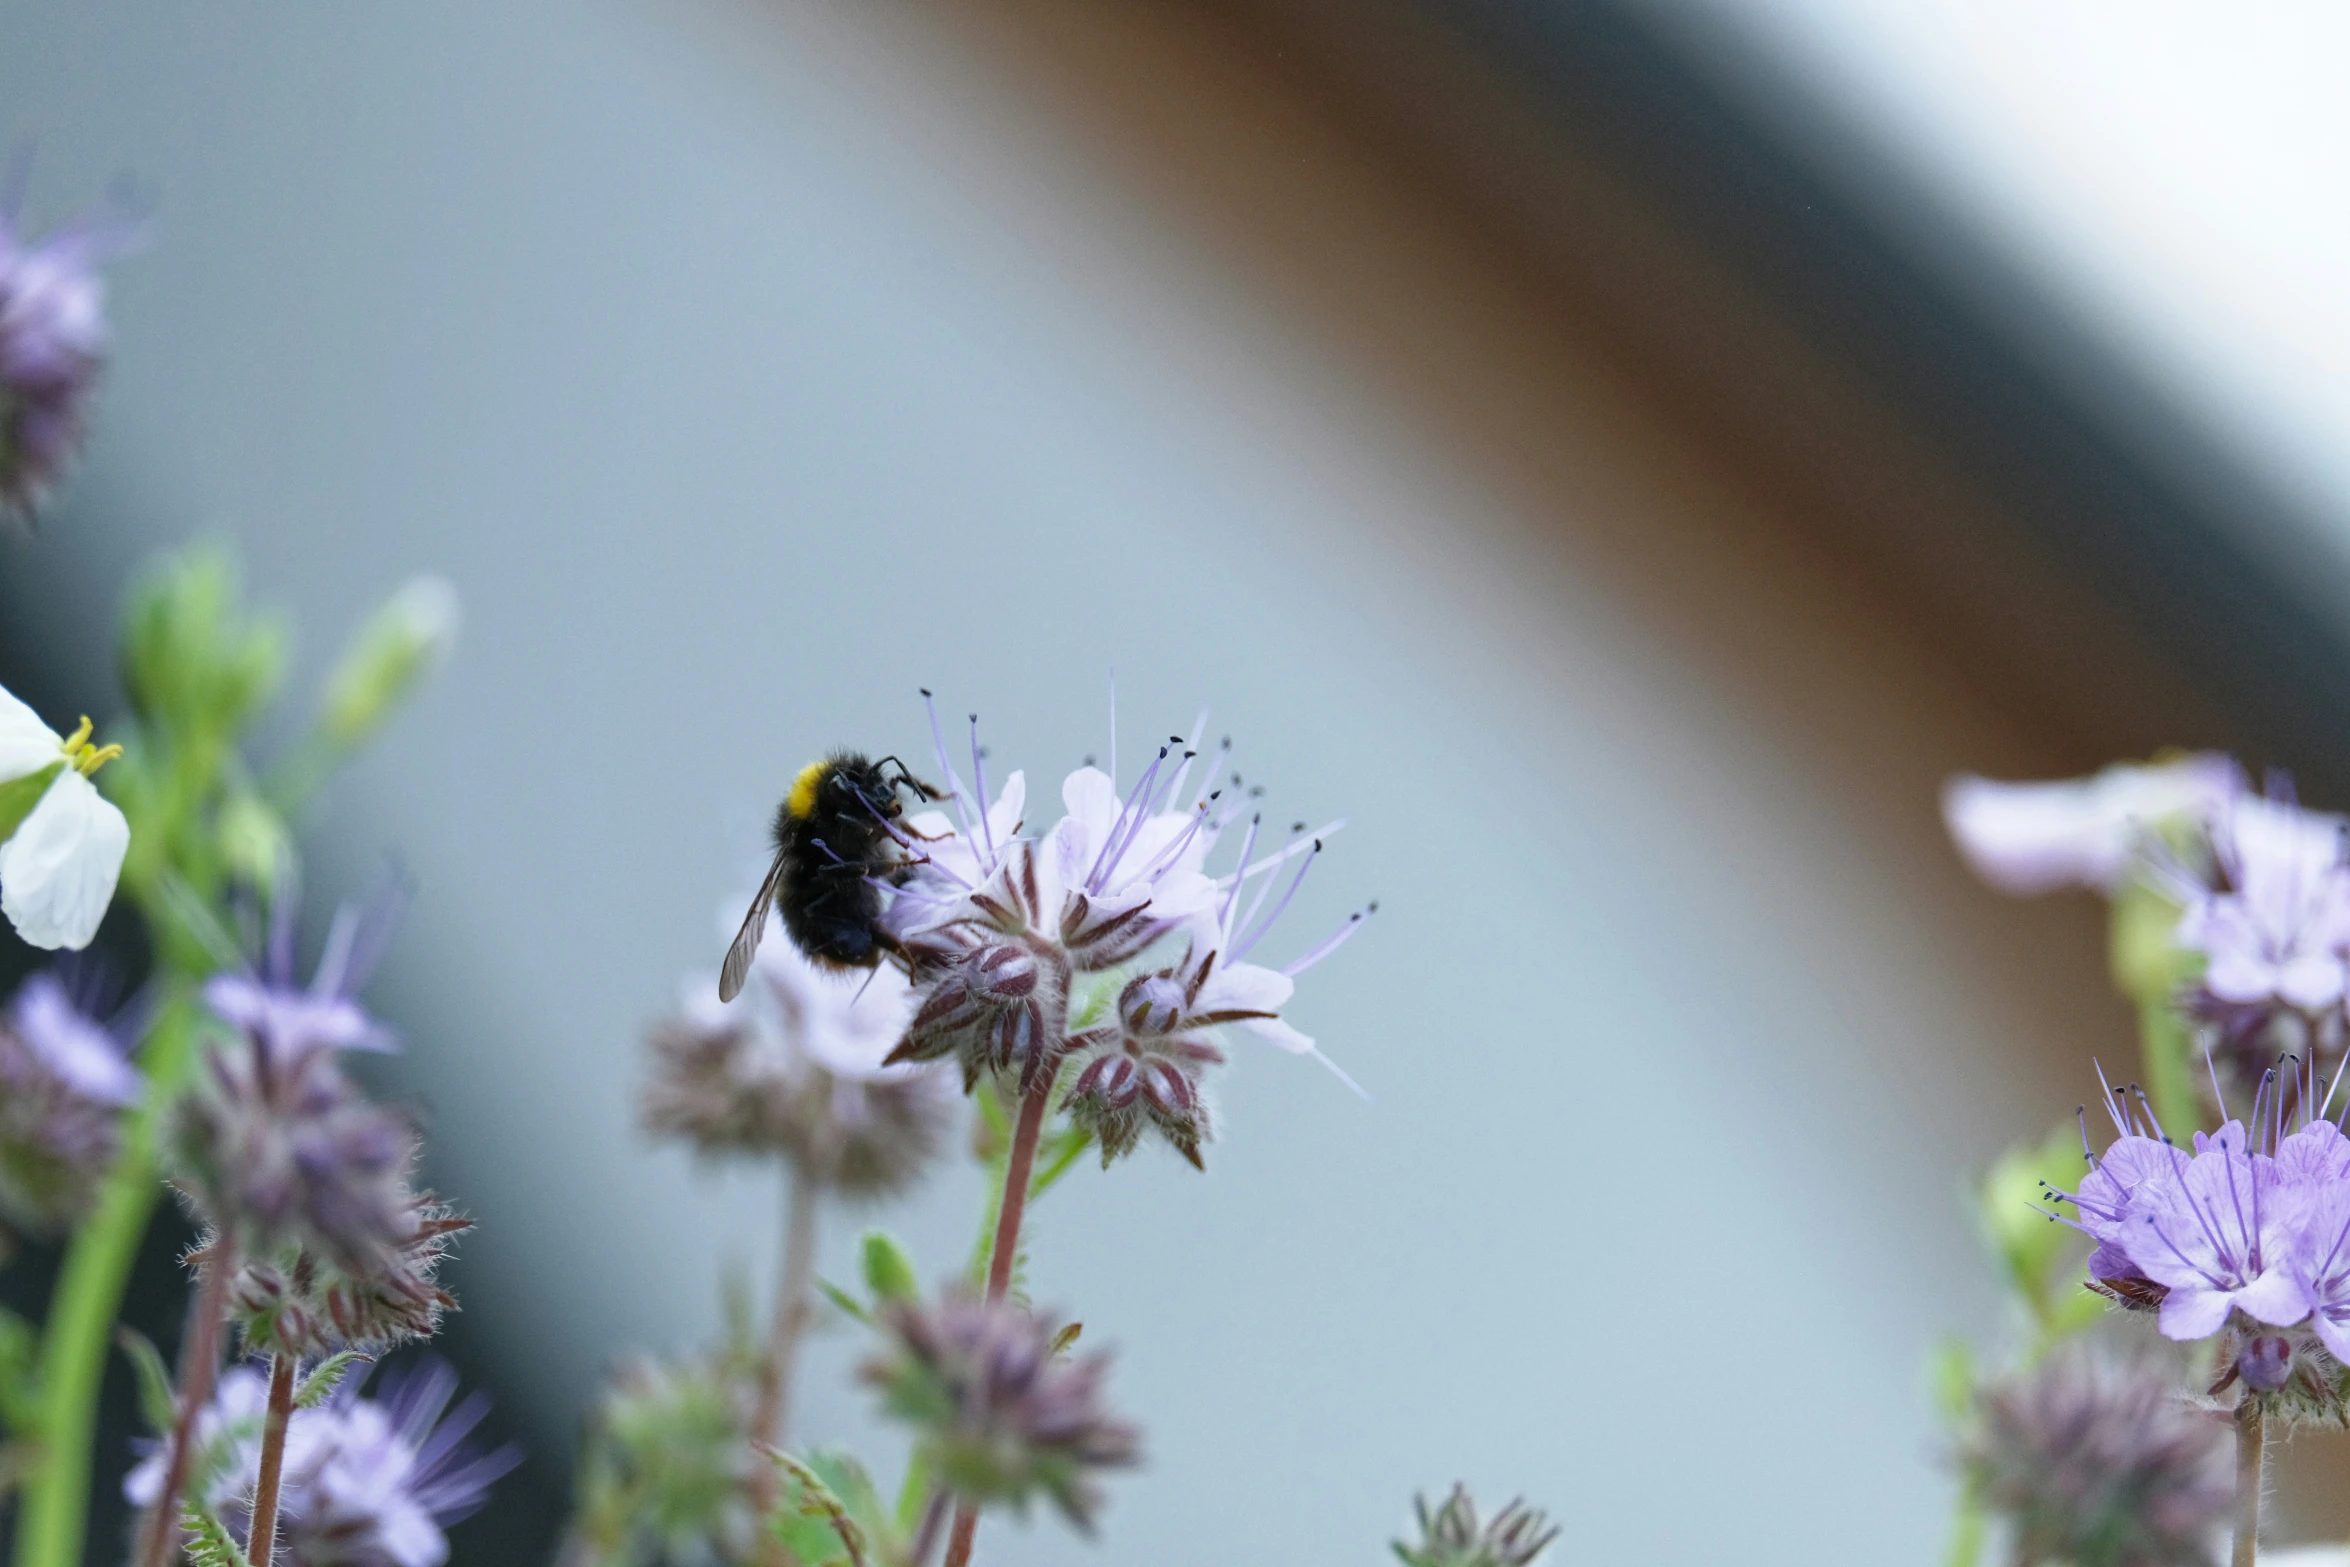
x: 1497, y: 415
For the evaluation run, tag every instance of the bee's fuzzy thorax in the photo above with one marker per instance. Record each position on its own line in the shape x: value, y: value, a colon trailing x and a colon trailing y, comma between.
x: 800, y: 804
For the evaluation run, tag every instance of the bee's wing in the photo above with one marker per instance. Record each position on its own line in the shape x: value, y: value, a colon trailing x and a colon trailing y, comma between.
x: 737, y: 968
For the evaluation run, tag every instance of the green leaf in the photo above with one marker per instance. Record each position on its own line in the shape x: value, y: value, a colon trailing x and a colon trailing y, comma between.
x: 889, y: 1270
x: 914, y: 1494
x: 845, y: 1301
x: 320, y: 1385
x: 212, y: 1545
x: 18, y: 796
x: 812, y: 1521
x: 1067, y: 1146
x: 157, y: 1405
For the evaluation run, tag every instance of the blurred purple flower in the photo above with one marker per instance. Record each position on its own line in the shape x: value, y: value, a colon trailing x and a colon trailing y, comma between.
x: 65, y: 1081
x: 368, y: 1482
x: 2028, y: 838
x: 795, y: 1066
x: 2275, y: 930
x: 52, y: 343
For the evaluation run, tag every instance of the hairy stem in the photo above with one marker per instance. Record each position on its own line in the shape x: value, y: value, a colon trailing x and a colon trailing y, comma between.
x: 199, y: 1363
x: 793, y: 1308
x: 1004, y: 1255
x: 261, y: 1540
x: 2251, y: 1442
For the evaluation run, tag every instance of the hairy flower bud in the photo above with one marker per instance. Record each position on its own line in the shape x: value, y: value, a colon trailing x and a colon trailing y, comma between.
x: 1000, y: 1414
x: 2100, y: 1462
x: 287, y: 1154
x: 993, y: 1003
x: 793, y: 1067
x: 1453, y: 1536
x: 297, y: 1304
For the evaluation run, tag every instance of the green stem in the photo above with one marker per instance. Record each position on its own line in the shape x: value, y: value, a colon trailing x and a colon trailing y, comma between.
x: 1966, y: 1531
x: 2166, y: 1053
x: 2251, y: 1443
x: 55, y: 1515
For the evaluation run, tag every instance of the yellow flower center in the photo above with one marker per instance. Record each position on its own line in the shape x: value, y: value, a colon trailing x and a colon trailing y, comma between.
x: 85, y: 757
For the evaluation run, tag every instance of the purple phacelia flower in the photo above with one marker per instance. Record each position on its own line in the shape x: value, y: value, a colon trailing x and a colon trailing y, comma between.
x: 1004, y: 933
x: 367, y: 1481
x: 278, y: 1148
x: 2275, y: 927
x: 52, y: 344
x: 2247, y: 1235
x: 2028, y: 838
x: 65, y: 1083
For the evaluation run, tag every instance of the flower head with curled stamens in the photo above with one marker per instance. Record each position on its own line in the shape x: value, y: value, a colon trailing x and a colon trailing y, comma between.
x: 275, y: 1143
x: 1002, y: 934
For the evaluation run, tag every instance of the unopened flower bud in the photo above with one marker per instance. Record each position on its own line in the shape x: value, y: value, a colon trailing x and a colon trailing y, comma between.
x: 793, y: 1066
x: 400, y: 644
x: 2265, y: 1362
x: 1452, y: 1535
x: 2100, y: 1462
x: 1001, y: 1417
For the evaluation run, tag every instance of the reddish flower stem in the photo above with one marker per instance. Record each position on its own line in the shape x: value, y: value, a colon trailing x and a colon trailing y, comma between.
x: 1005, y: 1254
x: 262, y: 1542
x: 793, y: 1310
x: 198, y: 1365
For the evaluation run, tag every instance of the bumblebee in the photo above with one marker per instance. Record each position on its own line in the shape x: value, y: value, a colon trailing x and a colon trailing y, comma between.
x: 834, y: 840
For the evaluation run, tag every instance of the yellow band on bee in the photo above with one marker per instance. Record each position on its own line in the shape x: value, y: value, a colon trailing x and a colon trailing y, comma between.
x: 801, y: 802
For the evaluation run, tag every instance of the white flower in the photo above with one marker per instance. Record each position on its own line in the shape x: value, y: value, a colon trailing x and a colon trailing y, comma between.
x: 2027, y: 838
x: 58, y: 868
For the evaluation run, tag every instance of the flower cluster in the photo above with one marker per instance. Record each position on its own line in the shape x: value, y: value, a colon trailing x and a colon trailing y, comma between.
x: 65, y: 1082
x: 1002, y: 1413
x: 1027, y: 952
x: 2249, y: 1233
x: 368, y: 1482
x: 794, y: 1066
x: 2260, y: 887
x: 1452, y: 1535
x: 61, y: 843
x: 52, y: 342
x: 303, y: 1177
x: 2100, y: 1462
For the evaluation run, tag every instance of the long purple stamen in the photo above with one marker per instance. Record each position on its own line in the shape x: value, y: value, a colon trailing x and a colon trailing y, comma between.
x: 938, y: 743
x: 1258, y: 933
x: 979, y: 785
x: 1232, y: 893
x: 1332, y: 942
